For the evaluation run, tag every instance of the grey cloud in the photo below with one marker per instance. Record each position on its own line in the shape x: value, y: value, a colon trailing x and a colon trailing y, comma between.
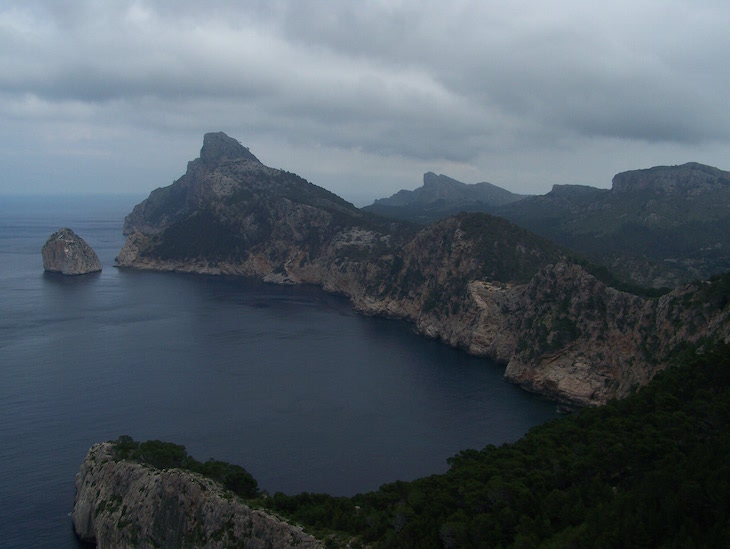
x: 466, y: 84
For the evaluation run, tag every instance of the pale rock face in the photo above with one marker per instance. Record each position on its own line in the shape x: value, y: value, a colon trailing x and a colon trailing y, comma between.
x: 126, y: 504
x: 67, y: 253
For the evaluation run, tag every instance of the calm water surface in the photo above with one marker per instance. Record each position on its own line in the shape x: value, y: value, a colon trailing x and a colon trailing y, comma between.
x: 287, y: 382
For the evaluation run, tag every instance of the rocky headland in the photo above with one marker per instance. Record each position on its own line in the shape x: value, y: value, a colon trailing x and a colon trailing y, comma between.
x: 474, y: 281
x: 67, y: 253
x: 123, y: 503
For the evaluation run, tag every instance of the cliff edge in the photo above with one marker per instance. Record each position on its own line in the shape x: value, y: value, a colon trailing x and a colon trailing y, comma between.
x: 122, y: 503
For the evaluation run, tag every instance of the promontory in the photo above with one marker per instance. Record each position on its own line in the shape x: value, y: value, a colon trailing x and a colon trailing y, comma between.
x: 559, y: 325
x: 127, y: 503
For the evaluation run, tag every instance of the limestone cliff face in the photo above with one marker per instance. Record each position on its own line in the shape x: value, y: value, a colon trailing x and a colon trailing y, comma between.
x: 126, y: 504
x: 67, y: 253
x: 474, y: 281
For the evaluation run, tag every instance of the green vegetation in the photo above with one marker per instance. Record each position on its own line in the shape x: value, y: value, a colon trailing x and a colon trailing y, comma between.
x: 717, y: 293
x: 166, y: 455
x: 203, y: 234
x: 647, y: 471
x: 603, y: 274
x: 643, y: 234
x: 504, y: 251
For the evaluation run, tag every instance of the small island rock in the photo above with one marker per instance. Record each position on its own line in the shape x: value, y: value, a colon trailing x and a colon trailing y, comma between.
x: 67, y: 253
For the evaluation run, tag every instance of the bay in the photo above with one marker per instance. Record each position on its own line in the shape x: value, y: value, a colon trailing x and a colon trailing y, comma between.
x: 288, y: 382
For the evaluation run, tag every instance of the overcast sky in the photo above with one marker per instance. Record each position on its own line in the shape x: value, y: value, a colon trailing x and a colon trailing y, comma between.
x: 361, y: 97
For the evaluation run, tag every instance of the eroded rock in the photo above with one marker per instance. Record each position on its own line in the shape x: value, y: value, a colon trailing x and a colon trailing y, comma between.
x: 127, y: 504
x: 67, y: 253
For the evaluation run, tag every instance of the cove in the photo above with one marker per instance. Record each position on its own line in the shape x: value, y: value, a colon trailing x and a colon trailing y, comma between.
x: 288, y: 382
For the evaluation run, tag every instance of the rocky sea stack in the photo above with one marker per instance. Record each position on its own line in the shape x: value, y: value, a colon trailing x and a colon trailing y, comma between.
x: 67, y: 253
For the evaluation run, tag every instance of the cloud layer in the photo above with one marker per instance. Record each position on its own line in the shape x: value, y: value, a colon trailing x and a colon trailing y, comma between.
x: 361, y: 97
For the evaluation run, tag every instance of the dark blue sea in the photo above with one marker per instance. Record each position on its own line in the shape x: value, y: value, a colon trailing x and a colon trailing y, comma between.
x: 290, y: 383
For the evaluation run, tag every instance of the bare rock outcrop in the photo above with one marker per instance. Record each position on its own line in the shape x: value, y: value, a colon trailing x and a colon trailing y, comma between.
x: 122, y: 503
x: 67, y: 253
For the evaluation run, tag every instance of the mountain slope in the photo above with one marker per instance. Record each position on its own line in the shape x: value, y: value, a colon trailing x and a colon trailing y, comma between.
x: 658, y: 227
x: 662, y: 226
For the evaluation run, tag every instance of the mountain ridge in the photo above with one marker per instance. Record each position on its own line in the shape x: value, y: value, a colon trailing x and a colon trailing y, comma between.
x: 441, y: 196
x: 441, y: 187
x: 661, y: 226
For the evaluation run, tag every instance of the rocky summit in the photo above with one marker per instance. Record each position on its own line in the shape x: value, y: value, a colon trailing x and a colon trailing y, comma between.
x: 67, y: 253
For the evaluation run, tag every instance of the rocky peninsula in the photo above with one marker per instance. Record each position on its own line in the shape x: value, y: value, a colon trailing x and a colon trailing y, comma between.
x: 122, y: 503
x: 67, y: 253
x: 473, y: 281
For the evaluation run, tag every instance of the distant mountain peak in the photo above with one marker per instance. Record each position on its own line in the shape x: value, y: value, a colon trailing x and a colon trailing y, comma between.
x: 448, y: 195
x: 574, y: 190
x: 218, y: 147
x: 431, y: 180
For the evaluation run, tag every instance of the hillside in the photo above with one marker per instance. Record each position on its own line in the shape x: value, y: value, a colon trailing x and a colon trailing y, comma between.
x: 474, y: 281
x: 658, y: 227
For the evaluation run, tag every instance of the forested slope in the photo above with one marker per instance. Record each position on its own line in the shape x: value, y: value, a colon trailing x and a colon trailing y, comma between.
x: 647, y: 471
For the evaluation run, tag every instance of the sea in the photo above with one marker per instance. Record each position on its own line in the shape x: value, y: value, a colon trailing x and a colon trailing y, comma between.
x: 288, y: 382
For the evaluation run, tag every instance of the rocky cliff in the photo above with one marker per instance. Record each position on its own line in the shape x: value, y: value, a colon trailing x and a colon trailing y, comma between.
x: 67, y: 253
x: 472, y: 280
x: 122, y: 503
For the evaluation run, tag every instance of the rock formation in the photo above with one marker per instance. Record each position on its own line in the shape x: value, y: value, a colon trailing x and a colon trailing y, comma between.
x: 127, y: 504
x: 67, y: 253
x: 687, y: 180
x: 474, y: 281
